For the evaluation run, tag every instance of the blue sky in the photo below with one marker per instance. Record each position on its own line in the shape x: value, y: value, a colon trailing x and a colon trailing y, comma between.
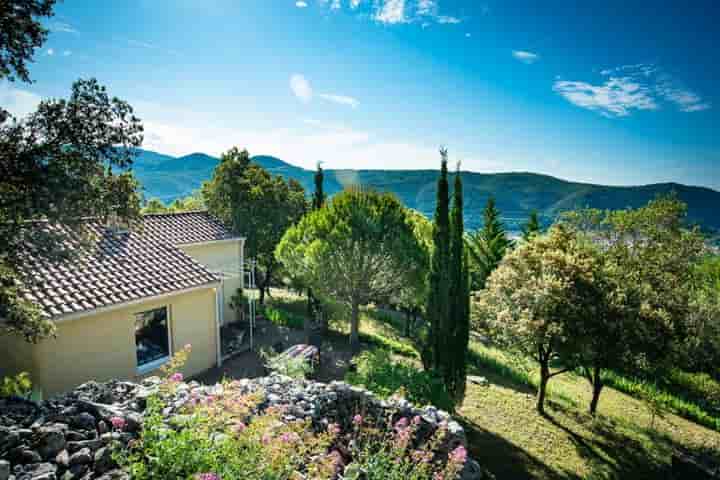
x: 607, y: 92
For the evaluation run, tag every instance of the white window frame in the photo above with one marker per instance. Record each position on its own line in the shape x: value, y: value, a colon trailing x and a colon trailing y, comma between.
x: 155, y: 364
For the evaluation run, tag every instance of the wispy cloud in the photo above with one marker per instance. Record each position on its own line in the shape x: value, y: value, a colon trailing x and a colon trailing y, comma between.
x: 50, y: 52
x: 395, y: 12
x: 301, y: 88
x: 341, y: 99
x: 66, y: 53
x: 62, y: 27
x: 630, y: 87
x: 151, y: 46
x: 301, y: 4
x: 17, y: 101
x: 525, y: 56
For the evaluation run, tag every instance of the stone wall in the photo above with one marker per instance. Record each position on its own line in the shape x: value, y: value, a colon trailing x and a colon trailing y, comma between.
x: 68, y: 437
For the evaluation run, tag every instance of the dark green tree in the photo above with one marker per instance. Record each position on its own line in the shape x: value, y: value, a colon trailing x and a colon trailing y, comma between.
x: 257, y: 205
x: 66, y: 161
x: 458, y: 328
x: 318, y: 200
x: 532, y: 227
x: 20, y: 34
x: 487, y: 246
x: 435, y: 352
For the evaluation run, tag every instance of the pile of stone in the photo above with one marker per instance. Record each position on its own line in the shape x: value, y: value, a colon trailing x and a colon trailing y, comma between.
x: 72, y: 436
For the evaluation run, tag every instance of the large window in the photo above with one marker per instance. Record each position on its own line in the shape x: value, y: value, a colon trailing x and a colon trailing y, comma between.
x: 152, y: 338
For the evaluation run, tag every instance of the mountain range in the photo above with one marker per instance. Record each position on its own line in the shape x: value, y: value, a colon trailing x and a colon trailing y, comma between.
x: 517, y: 194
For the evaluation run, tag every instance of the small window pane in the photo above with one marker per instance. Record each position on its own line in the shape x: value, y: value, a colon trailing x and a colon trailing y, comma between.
x: 151, y: 336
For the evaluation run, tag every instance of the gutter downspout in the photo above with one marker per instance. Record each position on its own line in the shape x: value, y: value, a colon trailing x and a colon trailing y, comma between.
x: 218, y: 340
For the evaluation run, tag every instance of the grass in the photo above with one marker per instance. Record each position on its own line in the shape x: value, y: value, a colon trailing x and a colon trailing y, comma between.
x: 508, y: 437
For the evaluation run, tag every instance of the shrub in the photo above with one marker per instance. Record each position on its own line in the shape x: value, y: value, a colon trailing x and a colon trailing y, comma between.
x: 378, y: 372
x: 293, y: 367
x: 282, y: 318
x: 17, y: 386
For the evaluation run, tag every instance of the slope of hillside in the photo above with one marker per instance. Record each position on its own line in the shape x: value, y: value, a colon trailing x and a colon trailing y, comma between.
x: 516, y: 194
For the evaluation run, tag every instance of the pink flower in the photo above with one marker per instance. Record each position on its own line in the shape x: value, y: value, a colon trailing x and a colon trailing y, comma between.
x: 438, y: 476
x: 416, y: 420
x: 333, y: 429
x: 402, y: 423
x: 239, y: 427
x: 357, y: 419
x: 289, y: 437
x: 176, y: 377
x: 458, y: 456
x: 118, y: 423
x: 207, y: 476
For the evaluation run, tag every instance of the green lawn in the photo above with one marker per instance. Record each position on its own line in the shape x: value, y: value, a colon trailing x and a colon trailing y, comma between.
x: 508, y: 437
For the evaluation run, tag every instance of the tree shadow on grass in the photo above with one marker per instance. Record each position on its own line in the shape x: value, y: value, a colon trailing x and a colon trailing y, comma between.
x: 506, y: 460
x: 610, y: 453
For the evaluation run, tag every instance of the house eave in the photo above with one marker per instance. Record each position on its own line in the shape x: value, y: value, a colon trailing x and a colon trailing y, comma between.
x: 137, y: 301
x: 212, y: 242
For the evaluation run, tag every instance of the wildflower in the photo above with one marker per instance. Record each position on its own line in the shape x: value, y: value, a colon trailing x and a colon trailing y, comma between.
x: 207, y: 476
x: 416, y: 420
x: 176, y: 377
x: 402, y: 423
x: 458, y: 456
x: 289, y: 437
x: 239, y: 427
x: 438, y: 476
x: 333, y: 429
x: 357, y: 419
x: 118, y: 423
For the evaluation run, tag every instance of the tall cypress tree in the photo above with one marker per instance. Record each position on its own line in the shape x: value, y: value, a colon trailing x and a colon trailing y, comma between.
x: 532, y: 227
x: 318, y: 200
x: 459, y: 315
x: 435, y: 350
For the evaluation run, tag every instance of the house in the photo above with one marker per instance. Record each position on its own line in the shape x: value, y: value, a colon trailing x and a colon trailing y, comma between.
x: 129, y: 300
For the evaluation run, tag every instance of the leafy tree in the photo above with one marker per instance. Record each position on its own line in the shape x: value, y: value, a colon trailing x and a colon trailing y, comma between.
x: 646, y: 271
x: 458, y: 328
x: 257, y: 205
x: 154, y: 205
x: 487, y: 246
x: 357, y: 248
x: 57, y: 165
x: 413, y: 295
x: 435, y: 350
x: 20, y: 34
x: 532, y: 227
x: 535, y: 297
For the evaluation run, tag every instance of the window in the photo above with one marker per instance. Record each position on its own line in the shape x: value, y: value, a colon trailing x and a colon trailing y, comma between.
x: 152, y: 339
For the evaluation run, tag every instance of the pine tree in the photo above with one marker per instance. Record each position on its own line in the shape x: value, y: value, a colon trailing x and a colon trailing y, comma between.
x: 487, y: 246
x: 459, y: 314
x: 532, y: 227
x: 437, y: 311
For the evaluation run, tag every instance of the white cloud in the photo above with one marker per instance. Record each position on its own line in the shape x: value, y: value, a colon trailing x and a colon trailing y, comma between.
x: 616, y: 97
x: 301, y: 88
x: 66, y: 53
x: 335, y: 5
x: 631, y: 87
x: 354, y: 4
x: 468, y: 35
x: 525, y: 56
x: 341, y: 99
x: 301, y: 4
x: 50, y: 52
x: 62, y: 27
x: 447, y: 19
x: 18, y: 102
x: 391, y: 12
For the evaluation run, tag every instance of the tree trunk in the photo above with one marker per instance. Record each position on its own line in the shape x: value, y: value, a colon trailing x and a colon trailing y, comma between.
x: 265, y: 285
x: 542, y: 388
x: 355, y: 326
x: 597, y: 386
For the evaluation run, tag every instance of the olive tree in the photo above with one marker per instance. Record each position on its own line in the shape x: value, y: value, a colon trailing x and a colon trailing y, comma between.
x: 535, y: 297
x: 357, y: 248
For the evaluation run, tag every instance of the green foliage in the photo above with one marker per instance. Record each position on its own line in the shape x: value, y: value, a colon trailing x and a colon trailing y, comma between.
x: 487, y: 246
x: 293, y: 367
x: 18, y: 386
x: 537, y: 296
x: 532, y: 227
x: 257, y: 205
x: 58, y: 166
x: 389, y: 344
x: 283, y: 318
x: 378, y: 372
x: 357, y: 249
x: 22, y: 34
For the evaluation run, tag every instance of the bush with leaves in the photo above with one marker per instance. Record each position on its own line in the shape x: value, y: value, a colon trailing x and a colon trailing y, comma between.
x: 19, y: 385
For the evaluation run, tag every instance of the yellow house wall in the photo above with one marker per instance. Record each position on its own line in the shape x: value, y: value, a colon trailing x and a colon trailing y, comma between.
x: 223, y: 257
x: 102, y: 346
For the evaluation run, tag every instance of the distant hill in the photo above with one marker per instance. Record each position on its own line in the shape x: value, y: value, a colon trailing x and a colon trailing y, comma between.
x: 517, y: 194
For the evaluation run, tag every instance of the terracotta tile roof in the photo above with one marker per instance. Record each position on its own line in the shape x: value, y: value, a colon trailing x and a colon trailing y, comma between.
x: 108, y: 269
x: 184, y: 228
